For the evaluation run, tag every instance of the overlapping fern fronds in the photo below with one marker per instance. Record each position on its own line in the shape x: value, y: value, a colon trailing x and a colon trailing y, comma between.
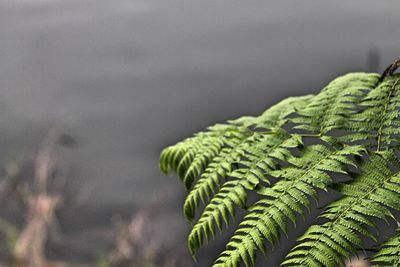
x: 286, y: 156
x: 389, y: 254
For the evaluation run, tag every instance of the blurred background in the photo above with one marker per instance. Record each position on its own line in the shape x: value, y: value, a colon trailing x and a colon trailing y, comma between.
x: 92, y: 90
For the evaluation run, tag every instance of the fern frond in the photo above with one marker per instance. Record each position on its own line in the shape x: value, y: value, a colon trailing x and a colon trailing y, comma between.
x: 257, y: 161
x: 370, y: 195
x: 389, y: 254
x: 333, y: 105
x: 378, y: 121
x: 215, y: 173
x: 287, y: 155
x: 178, y: 158
x: 211, y: 154
x: 219, y: 210
x: 277, y: 115
x: 284, y: 200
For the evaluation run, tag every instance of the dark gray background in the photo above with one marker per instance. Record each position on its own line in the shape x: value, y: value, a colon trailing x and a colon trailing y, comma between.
x: 128, y: 77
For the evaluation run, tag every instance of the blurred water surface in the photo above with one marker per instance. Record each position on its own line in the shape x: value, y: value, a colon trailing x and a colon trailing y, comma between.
x: 128, y: 77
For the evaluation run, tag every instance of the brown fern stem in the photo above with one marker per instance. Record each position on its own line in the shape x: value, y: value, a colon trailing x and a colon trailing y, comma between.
x: 390, y: 70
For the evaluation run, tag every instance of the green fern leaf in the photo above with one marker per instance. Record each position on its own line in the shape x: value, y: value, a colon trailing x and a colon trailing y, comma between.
x: 378, y: 121
x: 284, y: 200
x: 257, y: 161
x: 210, y: 155
x: 371, y: 194
x: 286, y: 156
x: 333, y: 105
x: 389, y: 254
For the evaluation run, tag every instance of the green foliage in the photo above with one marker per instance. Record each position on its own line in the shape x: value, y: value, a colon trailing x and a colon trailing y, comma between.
x: 289, y: 155
x: 10, y: 233
x: 372, y: 194
x: 389, y: 255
